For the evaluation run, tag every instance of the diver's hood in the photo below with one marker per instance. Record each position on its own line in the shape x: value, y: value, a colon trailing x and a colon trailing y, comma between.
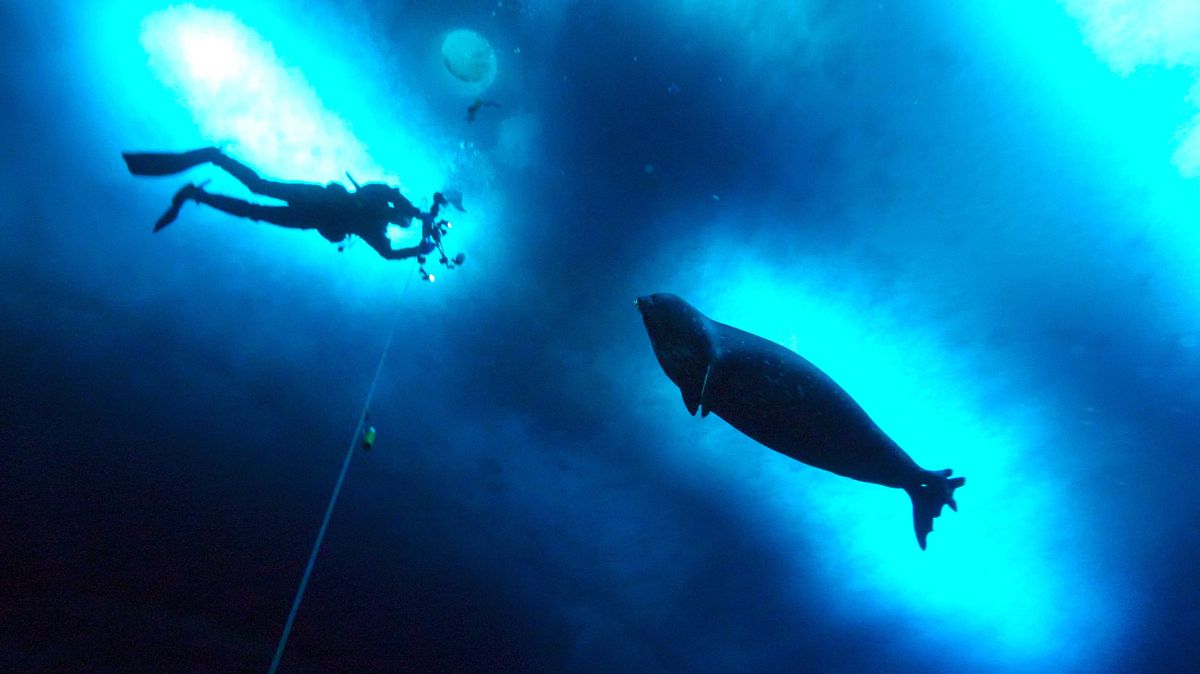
x: 382, y: 191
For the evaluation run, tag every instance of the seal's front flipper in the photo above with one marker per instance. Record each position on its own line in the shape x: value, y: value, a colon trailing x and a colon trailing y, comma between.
x: 708, y: 391
x: 933, y: 490
x: 697, y: 395
x: 167, y: 163
x: 691, y: 398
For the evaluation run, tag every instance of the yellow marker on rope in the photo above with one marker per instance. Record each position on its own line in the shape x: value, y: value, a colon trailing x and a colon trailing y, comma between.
x: 368, y: 438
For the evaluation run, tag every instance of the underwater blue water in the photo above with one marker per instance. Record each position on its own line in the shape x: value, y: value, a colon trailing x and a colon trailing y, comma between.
x: 983, y: 221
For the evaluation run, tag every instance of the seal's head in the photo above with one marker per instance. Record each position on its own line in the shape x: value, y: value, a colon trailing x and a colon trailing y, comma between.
x: 682, y: 340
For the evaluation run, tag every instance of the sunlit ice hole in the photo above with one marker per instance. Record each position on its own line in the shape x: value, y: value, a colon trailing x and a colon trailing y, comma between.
x: 263, y: 111
x: 211, y: 55
x: 244, y: 98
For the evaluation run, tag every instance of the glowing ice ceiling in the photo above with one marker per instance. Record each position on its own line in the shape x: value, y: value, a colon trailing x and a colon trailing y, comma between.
x: 1130, y: 34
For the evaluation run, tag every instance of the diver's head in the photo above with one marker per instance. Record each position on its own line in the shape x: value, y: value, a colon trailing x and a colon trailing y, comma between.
x: 378, y: 192
x: 384, y: 200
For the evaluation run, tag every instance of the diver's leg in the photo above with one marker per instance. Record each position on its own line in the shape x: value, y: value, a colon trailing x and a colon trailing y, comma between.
x: 167, y: 163
x: 186, y: 192
x: 285, y: 191
x: 284, y: 216
x: 245, y: 175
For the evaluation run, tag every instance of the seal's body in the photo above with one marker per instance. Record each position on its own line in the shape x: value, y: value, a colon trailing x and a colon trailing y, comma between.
x: 786, y: 403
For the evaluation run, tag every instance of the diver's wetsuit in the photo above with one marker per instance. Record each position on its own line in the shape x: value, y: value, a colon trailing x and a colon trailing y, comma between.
x: 330, y: 209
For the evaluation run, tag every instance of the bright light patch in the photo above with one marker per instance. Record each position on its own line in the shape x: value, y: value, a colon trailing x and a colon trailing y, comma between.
x: 1129, y: 34
x: 1187, y: 157
x: 238, y: 90
x: 241, y: 95
x: 1119, y: 134
x: 245, y: 98
x: 469, y: 57
x: 211, y: 55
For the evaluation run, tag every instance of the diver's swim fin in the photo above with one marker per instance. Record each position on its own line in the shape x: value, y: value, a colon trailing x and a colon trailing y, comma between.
x: 167, y: 163
x: 186, y: 192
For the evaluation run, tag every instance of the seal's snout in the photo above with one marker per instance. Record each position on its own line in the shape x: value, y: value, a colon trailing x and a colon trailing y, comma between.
x: 643, y: 302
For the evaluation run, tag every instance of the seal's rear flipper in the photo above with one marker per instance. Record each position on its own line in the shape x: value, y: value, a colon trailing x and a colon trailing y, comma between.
x: 935, y: 489
x: 167, y: 163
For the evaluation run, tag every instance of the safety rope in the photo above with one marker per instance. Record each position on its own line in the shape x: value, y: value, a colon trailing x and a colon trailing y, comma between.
x: 337, y: 488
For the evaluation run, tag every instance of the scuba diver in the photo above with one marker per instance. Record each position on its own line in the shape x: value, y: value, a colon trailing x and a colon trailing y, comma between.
x: 335, y: 212
x: 476, y: 106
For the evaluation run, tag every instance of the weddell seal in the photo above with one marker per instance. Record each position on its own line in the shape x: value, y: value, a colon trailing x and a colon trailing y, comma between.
x: 783, y: 401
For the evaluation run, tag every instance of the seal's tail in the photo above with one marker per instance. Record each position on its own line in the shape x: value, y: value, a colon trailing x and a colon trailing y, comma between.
x: 934, y: 490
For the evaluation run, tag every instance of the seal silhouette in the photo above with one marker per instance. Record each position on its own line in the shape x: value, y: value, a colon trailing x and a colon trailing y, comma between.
x: 778, y: 398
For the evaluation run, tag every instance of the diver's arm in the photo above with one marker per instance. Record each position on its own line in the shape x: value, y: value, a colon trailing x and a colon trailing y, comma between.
x: 382, y: 245
x: 424, y: 248
x: 388, y: 253
x: 400, y: 253
x: 407, y: 214
x: 397, y: 253
x: 404, y: 211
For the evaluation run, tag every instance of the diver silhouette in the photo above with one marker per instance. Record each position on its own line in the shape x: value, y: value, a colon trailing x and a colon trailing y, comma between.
x: 335, y: 212
x: 477, y: 105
